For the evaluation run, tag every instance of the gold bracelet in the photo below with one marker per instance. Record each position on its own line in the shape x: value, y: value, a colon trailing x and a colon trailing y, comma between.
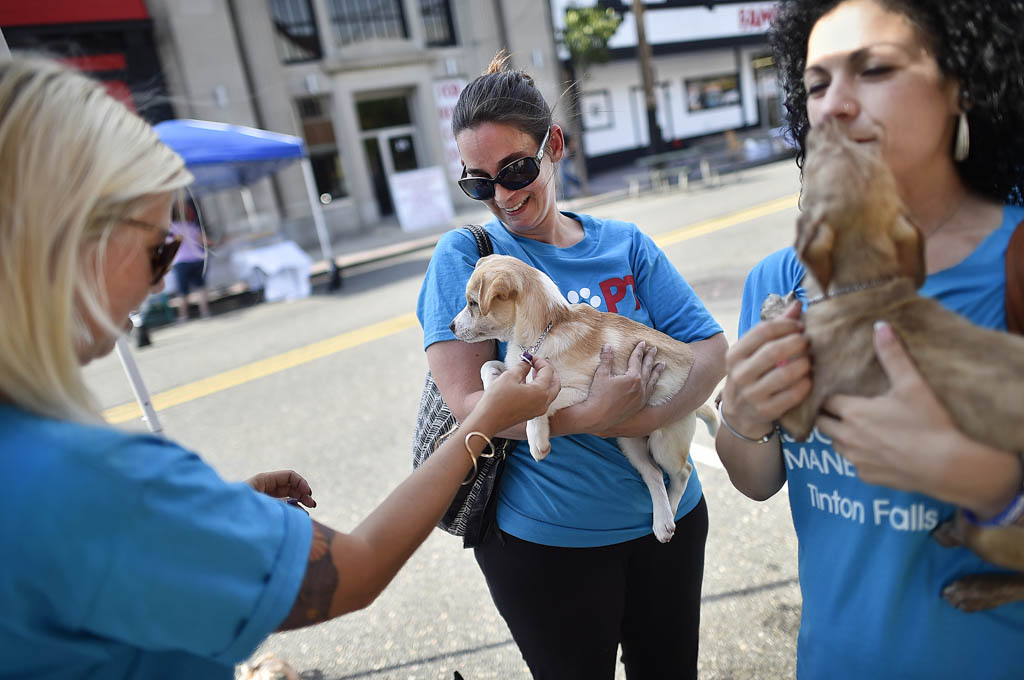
x: 482, y: 454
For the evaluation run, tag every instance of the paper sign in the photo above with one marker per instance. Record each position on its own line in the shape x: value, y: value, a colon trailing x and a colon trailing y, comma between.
x: 421, y: 198
x: 446, y: 94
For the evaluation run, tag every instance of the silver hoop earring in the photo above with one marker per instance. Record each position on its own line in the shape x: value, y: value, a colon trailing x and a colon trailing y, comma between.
x: 962, y: 148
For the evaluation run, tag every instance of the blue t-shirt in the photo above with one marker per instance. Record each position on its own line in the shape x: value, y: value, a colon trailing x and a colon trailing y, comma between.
x: 870, y: 572
x: 585, y: 493
x: 126, y: 556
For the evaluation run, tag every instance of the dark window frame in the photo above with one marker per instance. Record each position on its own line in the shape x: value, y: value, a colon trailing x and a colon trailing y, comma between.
x: 297, y: 14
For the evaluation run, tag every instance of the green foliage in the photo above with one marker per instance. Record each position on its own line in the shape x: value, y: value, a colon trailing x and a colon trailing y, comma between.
x: 587, y: 32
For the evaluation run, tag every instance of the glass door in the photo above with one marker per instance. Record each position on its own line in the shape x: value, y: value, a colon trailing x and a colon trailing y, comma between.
x: 403, y: 152
x: 379, y: 175
x: 388, y: 142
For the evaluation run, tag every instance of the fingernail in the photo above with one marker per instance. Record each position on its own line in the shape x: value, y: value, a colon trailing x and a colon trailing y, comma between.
x: 607, y: 348
x: 781, y: 362
x: 883, y: 331
x: 527, y: 357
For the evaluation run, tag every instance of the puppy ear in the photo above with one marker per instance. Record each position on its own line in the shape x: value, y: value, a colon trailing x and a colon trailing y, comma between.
x: 497, y: 286
x: 909, y: 249
x: 814, y: 242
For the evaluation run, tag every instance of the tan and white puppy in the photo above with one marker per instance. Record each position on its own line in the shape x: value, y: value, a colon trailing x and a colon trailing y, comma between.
x: 508, y: 300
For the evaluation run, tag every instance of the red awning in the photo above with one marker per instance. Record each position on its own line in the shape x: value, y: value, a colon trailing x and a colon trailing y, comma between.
x: 22, y: 13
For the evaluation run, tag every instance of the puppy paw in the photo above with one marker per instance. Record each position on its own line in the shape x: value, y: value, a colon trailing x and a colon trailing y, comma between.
x: 490, y: 371
x: 664, y: 531
x: 979, y: 592
x: 538, y: 452
x: 774, y: 305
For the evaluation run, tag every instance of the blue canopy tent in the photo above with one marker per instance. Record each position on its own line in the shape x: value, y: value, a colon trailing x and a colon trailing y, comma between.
x: 223, y: 156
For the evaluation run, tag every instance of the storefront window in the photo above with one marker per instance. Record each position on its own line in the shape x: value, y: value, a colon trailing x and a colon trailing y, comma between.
x: 357, y: 21
x: 295, y: 30
x: 713, y: 92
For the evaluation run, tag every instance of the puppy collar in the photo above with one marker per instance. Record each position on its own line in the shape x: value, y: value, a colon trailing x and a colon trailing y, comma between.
x: 855, y: 288
x: 528, y: 352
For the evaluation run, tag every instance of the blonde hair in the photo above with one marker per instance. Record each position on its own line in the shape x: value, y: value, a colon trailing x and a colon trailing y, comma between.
x: 75, y: 163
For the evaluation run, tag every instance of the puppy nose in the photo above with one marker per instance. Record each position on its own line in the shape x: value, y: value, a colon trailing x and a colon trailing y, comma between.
x: 451, y: 327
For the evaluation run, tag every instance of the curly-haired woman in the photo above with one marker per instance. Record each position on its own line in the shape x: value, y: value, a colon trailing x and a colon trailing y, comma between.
x: 938, y: 84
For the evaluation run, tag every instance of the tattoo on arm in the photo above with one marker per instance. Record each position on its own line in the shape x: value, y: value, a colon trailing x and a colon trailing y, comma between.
x: 313, y: 603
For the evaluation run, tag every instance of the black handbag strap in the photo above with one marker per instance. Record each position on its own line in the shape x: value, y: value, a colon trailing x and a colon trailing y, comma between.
x: 483, y: 239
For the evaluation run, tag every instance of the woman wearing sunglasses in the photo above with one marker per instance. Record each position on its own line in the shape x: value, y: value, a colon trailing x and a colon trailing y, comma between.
x: 125, y: 555
x: 574, y: 568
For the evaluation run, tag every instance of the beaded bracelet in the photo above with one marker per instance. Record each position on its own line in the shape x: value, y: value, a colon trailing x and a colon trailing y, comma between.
x: 763, y: 440
x: 473, y: 458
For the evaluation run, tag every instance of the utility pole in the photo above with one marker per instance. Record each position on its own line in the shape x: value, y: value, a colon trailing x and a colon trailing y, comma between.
x: 643, y: 50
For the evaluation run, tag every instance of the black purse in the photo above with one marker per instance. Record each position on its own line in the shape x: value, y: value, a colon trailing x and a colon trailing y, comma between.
x: 471, y: 514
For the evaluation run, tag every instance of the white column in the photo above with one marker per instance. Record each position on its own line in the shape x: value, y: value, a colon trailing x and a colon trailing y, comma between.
x: 318, y: 213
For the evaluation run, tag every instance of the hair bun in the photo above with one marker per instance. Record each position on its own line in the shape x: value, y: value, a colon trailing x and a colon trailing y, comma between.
x: 499, y: 63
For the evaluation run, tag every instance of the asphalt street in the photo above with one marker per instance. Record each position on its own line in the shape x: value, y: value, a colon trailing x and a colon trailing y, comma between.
x: 329, y: 386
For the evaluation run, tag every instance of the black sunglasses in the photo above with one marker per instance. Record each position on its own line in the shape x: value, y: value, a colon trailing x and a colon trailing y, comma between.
x: 162, y: 257
x: 516, y: 175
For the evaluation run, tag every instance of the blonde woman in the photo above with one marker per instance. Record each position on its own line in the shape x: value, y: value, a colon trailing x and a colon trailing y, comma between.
x: 126, y: 556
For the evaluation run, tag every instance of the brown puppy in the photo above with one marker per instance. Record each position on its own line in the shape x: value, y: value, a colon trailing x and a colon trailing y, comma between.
x: 856, y: 239
x: 508, y: 300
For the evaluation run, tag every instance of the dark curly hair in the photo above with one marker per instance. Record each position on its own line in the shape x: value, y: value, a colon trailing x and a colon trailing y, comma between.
x: 979, y: 43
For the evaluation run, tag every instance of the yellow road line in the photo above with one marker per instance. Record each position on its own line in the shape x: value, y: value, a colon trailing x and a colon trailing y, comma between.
x: 296, y: 357
x: 716, y: 223
x: 262, y: 368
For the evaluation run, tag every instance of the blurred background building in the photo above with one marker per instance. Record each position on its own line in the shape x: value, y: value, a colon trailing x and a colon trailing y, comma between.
x: 712, y: 73
x: 370, y: 85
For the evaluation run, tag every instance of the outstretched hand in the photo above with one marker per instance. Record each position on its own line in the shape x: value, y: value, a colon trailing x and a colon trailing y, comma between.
x: 891, y: 438
x: 283, y: 484
x: 511, y: 400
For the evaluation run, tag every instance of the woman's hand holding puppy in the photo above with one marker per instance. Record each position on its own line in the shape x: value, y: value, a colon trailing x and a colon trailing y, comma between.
x: 768, y: 372
x: 906, y: 439
x: 614, y: 399
x: 510, y: 400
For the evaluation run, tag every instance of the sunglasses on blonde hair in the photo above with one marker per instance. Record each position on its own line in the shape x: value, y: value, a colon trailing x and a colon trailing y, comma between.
x: 516, y: 175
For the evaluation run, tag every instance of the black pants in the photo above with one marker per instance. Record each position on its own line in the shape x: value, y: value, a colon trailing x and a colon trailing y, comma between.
x: 570, y: 608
